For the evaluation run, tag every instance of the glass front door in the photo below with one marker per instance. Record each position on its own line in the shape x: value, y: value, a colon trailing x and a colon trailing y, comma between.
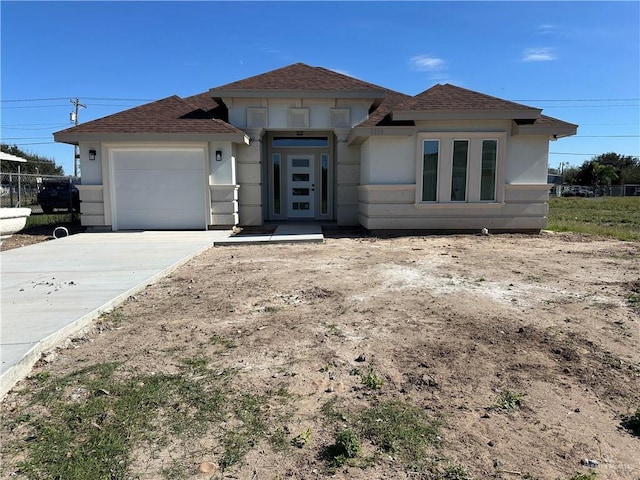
x: 301, y: 186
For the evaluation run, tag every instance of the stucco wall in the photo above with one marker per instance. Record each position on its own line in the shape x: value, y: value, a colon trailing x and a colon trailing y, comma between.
x: 388, y: 160
x: 528, y: 160
x: 390, y: 183
x: 278, y: 111
x: 249, y: 177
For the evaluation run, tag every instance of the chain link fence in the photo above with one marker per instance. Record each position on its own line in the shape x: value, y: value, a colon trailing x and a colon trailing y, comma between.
x: 628, y: 190
x: 41, y: 193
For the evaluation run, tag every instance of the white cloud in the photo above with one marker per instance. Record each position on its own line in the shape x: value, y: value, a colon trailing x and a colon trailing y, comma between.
x: 426, y: 63
x: 547, y: 28
x: 539, y: 55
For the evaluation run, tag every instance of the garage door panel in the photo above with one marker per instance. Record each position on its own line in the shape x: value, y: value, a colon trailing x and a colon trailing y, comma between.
x: 148, y: 219
x: 161, y: 160
x: 159, y: 190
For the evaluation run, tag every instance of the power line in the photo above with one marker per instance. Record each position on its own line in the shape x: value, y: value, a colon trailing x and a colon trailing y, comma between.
x: 579, y: 100
x: 588, y: 106
x: 88, y: 98
x: 34, y: 106
x: 56, y: 125
x: 582, y: 154
x: 33, y: 99
x: 24, y: 138
x: 35, y: 143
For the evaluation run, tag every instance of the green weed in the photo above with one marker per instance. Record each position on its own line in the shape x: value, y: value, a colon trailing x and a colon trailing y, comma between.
x: 400, y: 429
x: 371, y: 380
x: 508, y: 400
x: 346, y: 447
x: 591, y: 475
x: 454, y: 472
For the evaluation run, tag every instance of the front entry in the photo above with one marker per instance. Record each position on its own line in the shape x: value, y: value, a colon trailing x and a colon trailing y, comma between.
x: 299, y: 177
x: 301, y: 186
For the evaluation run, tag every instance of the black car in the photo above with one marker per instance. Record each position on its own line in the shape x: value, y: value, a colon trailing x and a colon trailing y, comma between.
x: 61, y: 194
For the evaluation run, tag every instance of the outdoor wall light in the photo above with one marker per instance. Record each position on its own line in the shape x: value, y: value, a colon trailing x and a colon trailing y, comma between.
x: 218, y: 155
x: 92, y: 154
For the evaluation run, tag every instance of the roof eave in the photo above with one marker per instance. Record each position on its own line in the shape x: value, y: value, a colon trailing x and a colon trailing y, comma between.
x: 266, y: 93
x: 76, y: 138
x: 466, y: 114
x: 553, y: 132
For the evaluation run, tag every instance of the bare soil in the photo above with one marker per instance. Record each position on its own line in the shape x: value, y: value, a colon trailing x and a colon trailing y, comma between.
x: 447, y: 322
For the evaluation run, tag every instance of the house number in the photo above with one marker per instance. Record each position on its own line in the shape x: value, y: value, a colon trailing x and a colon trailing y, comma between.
x: 377, y: 131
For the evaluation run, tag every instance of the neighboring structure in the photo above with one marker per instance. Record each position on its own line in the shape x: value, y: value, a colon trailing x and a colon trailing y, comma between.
x: 307, y: 143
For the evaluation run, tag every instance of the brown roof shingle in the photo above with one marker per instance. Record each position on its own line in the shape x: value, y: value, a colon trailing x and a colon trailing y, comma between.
x: 381, y: 115
x: 170, y: 115
x: 451, y: 98
x: 299, y: 76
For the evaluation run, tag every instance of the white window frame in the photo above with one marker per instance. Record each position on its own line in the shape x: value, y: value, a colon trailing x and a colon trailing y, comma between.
x: 421, y: 168
x: 474, y: 166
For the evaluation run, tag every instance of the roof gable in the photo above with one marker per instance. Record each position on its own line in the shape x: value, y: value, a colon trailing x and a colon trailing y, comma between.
x: 302, y: 80
x: 448, y: 102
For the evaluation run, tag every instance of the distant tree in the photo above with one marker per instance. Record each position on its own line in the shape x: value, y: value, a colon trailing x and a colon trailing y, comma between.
x: 623, y: 169
x: 36, y: 164
x: 603, y: 174
x: 570, y: 175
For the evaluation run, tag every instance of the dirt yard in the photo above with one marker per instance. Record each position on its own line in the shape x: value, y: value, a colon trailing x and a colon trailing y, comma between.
x: 446, y: 324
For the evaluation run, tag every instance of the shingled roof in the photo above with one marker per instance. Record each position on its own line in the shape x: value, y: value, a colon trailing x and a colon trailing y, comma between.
x: 455, y: 101
x: 205, y: 114
x: 301, y: 78
x: 171, y: 115
x: 381, y: 116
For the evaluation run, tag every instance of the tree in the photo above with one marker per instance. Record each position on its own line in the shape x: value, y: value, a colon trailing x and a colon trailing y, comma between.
x: 570, y: 175
x: 603, y: 174
x: 35, y: 163
x: 622, y: 169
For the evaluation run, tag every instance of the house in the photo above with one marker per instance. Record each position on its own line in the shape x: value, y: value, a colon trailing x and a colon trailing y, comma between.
x: 307, y: 143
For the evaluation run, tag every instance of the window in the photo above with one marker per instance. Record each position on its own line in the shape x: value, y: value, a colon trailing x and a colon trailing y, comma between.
x: 488, y: 175
x: 324, y: 164
x: 300, y: 142
x: 430, y: 154
x: 276, y: 183
x: 458, y: 168
x: 459, y: 171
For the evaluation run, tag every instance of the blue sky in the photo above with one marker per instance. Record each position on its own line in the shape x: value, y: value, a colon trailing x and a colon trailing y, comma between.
x: 579, y: 61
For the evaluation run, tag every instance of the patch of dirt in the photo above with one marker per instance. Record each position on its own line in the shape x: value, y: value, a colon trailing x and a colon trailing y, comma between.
x: 447, y: 322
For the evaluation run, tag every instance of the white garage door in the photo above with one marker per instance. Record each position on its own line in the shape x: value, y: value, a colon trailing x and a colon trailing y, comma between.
x: 159, y: 189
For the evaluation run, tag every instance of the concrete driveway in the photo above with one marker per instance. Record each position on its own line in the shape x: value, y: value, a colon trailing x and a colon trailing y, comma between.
x: 54, y: 289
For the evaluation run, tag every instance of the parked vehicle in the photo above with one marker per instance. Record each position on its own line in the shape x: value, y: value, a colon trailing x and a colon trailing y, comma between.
x: 59, y: 194
x: 576, y: 191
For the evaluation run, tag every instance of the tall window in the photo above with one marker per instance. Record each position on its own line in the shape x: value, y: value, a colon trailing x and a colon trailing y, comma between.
x: 276, y: 183
x: 430, y: 153
x: 324, y: 164
x: 459, y: 171
x: 488, y: 175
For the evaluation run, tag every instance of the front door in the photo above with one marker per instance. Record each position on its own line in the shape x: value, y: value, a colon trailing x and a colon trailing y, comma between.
x: 301, y: 186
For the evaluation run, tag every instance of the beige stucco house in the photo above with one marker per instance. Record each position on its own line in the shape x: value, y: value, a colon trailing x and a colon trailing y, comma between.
x: 306, y: 143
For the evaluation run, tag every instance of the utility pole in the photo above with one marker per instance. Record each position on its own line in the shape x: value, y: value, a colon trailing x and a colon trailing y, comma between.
x: 76, y: 149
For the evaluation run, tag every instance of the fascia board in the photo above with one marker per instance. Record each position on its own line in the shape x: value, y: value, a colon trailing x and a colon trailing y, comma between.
x: 75, y: 139
x: 467, y: 115
x: 560, y: 131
